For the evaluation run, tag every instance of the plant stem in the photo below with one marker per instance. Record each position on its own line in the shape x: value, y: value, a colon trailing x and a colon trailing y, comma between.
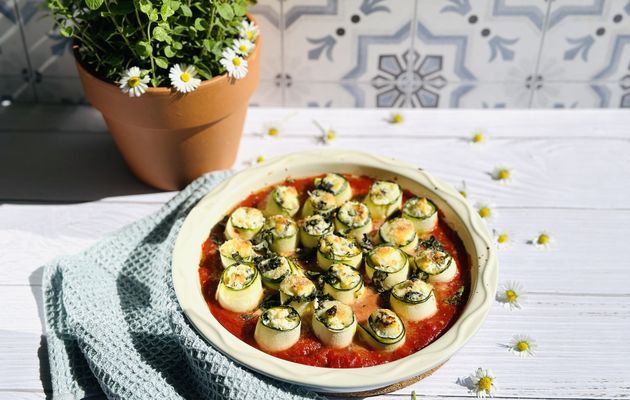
x: 210, y: 26
x: 147, y: 38
x: 119, y: 29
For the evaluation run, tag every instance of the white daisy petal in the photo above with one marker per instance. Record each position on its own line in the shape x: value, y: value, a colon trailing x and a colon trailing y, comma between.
x: 248, y: 30
x: 243, y: 46
x: 234, y: 64
x: 523, y: 346
x: 134, y: 82
x: 543, y: 240
x: 511, y: 295
x: 481, y: 383
x: 184, y: 78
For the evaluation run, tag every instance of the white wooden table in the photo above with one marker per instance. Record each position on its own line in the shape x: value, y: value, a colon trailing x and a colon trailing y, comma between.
x: 63, y: 186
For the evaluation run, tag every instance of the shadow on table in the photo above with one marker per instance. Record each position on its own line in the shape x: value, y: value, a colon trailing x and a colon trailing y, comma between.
x: 63, y: 167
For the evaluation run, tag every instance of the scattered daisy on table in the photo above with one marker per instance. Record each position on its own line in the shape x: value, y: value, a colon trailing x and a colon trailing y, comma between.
x: 511, y: 294
x: 543, y: 240
x: 523, y: 346
x: 481, y: 383
x: 502, y: 174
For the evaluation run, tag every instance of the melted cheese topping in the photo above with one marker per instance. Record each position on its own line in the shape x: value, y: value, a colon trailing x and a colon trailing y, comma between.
x: 286, y: 197
x: 383, y: 193
x: 280, y: 318
x: 398, y: 231
x: 343, y: 276
x: 332, y: 183
x: 316, y: 225
x: 274, y: 268
x: 354, y: 214
x: 387, y: 258
x: 386, y: 324
x: 433, y: 261
x: 419, y: 208
x: 334, y: 314
x: 297, y: 285
x: 242, y: 247
x: 247, y: 218
x: 238, y: 276
x: 412, y: 290
x: 322, y: 201
x: 338, y: 246
x: 281, y: 226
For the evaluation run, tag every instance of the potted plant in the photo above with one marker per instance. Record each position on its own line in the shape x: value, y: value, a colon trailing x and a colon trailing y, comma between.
x: 172, y: 79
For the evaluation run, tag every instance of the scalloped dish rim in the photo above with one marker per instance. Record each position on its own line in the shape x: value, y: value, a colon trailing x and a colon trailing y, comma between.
x: 458, y: 213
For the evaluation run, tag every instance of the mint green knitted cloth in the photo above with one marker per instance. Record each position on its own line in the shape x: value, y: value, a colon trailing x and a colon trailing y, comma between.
x: 114, y: 325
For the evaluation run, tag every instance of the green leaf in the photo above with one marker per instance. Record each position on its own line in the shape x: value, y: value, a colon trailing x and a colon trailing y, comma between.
x: 177, y: 45
x: 93, y: 4
x: 175, y: 4
x: 160, y: 34
x: 153, y: 15
x: 123, y: 7
x: 201, y: 24
x: 144, y: 49
x: 166, y: 10
x: 239, y: 9
x: 186, y: 11
x: 203, y: 72
x: 225, y: 11
x: 65, y: 31
x: 161, y: 62
x: 146, y: 6
x: 169, y: 52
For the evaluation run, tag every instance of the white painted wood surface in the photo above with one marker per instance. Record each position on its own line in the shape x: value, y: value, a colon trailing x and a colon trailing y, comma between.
x: 63, y: 186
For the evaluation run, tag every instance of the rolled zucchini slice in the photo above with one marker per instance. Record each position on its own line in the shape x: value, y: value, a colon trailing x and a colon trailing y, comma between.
x: 336, y: 249
x: 282, y: 200
x: 400, y: 233
x: 274, y: 269
x: 278, y: 328
x: 240, y: 288
x: 383, y: 331
x: 343, y: 283
x: 297, y: 291
x: 437, y: 263
x: 413, y: 300
x: 334, y: 324
x: 386, y: 265
x: 383, y: 199
x: 319, y: 202
x: 335, y: 184
x: 353, y: 220
x: 281, y: 233
x: 422, y: 213
x: 236, y: 251
x: 244, y: 223
x: 312, y: 229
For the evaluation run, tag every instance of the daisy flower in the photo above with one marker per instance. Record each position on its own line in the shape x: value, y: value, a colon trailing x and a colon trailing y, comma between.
x: 255, y: 161
x: 462, y: 189
x: 248, y: 30
x: 510, y: 295
x: 543, y: 240
x: 502, y: 174
x: 235, y: 65
x: 243, y: 46
x: 486, y: 211
x: 133, y: 82
x: 272, y: 129
x: 327, y: 135
x: 396, y: 118
x: 184, y: 78
x: 478, y: 137
x: 482, y: 383
x: 523, y: 346
x: 503, y: 238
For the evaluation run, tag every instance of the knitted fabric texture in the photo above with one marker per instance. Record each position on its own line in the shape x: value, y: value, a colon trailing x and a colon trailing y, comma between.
x: 114, y: 325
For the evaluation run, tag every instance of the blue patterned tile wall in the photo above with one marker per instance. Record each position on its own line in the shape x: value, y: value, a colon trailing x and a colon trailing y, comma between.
x: 385, y: 53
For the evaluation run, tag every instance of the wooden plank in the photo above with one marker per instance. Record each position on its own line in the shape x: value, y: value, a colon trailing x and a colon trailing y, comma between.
x: 22, y: 394
x: 582, y: 348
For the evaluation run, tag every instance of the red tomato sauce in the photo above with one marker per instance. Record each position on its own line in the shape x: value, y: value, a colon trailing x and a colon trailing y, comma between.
x: 309, y: 350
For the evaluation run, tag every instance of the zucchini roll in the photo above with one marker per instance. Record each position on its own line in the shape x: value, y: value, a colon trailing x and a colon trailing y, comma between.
x: 244, y: 223
x: 334, y: 324
x: 353, y: 220
x: 282, y: 200
x: 400, y: 233
x: 437, y: 263
x: 312, y: 229
x: 335, y: 184
x: 274, y: 269
x: 336, y: 249
x: 281, y: 233
x: 297, y: 291
x: 236, y: 251
x: 413, y: 300
x: 278, y: 328
x: 383, y: 199
x: 343, y: 283
x: 384, y: 330
x: 240, y: 288
x: 386, y: 265
x: 422, y: 213
x: 319, y: 202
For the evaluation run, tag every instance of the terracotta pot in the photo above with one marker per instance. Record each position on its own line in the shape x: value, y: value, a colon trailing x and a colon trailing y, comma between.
x: 169, y: 139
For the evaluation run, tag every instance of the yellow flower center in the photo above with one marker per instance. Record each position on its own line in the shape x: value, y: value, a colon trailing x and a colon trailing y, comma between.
x: 503, y: 238
x: 236, y: 61
x: 250, y: 35
x: 511, y: 296
x: 331, y: 135
x: 185, y: 77
x: 543, y: 239
x: 484, y: 212
x: 485, y: 384
x: 463, y: 193
x: 478, y: 137
x: 397, y: 119
x: 522, y: 345
x: 260, y: 159
x: 503, y: 174
x: 273, y: 132
x: 242, y: 48
x: 134, y: 81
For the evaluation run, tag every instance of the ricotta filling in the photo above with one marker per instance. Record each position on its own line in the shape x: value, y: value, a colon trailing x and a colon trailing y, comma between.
x: 335, y: 315
x: 280, y: 318
x: 286, y: 197
x: 247, y: 218
x: 419, y: 208
x: 297, y: 285
x: 342, y: 276
x: 338, y: 246
x: 383, y: 193
x: 387, y: 259
x: 398, y: 231
x: 413, y: 291
x: 433, y: 261
x: 237, y: 248
x: 316, y: 225
x: 332, y: 183
x: 353, y: 214
x: 238, y: 276
x: 281, y: 226
x: 386, y: 324
x: 273, y: 269
x: 322, y: 201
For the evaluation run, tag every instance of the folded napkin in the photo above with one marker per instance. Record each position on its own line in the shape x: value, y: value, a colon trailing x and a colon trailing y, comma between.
x: 114, y: 325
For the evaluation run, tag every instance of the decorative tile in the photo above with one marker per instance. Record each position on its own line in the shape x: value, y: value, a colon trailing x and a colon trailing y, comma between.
x: 14, y: 88
x: 330, y: 94
x: 268, y: 94
x: 62, y: 90
x: 583, y: 95
x: 587, y: 40
x: 487, y: 95
x: 12, y: 54
x: 494, y: 40
x: 268, y: 14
